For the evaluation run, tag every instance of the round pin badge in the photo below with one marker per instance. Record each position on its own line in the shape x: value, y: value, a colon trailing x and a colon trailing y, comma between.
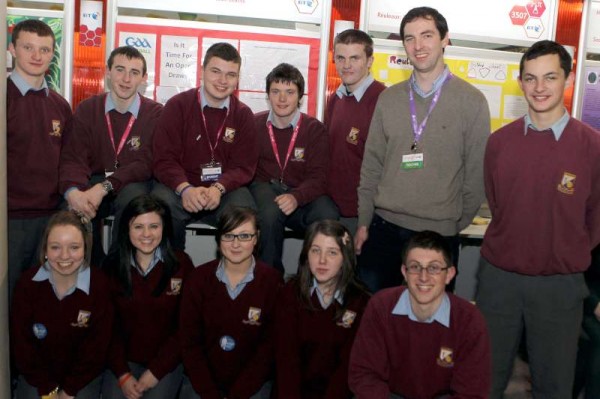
x: 227, y: 343
x: 40, y: 331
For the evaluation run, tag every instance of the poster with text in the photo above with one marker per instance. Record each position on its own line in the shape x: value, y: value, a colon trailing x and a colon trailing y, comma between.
x: 590, y: 110
x: 497, y: 80
x: 175, y: 54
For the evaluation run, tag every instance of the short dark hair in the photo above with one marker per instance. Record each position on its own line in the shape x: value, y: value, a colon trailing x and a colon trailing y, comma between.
x: 428, y: 13
x: 286, y: 73
x: 118, y: 261
x: 348, y: 284
x: 36, y: 26
x: 232, y: 217
x: 355, y: 36
x: 429, y: 240
x: 129, y: 52
x: 67, y: 218
x: 545, y: 47
x: 224, y: 51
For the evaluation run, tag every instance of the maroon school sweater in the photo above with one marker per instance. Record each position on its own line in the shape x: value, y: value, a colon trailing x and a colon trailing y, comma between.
x: 36, y: 126
x: 146, y: 327
x: 72, y: 352
x: 348, y: 123
x: 312, y: 348
x: 392, y: 353
x: 89, y: 151
x: 208, y: 314
x: 181, y: 144
x: 307, y: 167
x: 544, y: 196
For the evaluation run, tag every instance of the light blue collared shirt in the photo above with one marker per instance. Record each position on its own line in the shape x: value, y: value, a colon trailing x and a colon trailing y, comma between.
x: 441, y: 315
x: 237, y: 290
x: 134, y: 107
x: 439, y: 82
x: 557, y: 128
x: 204, y: 102
x: 292, y: 124
x: 156, y: 257
x: 83, y: 279
x: 337, y: 296
x: 360, y: 90
x: 24, y: 87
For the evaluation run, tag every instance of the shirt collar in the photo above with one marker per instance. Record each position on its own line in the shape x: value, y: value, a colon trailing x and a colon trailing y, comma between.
x: 83, y: 279
x: 24, y: 86
x: 337, y: 295
x: 439, y: 82
x: 557, y: 128
x: 204, y: 102
x: 156, y: 257
x: 293, y: 122
x: 222, y: 277
x: 134, y: 107
x: 360, y: 90
x: 441, y: 315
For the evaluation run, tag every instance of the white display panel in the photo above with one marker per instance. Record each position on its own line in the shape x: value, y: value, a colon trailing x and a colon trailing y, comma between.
x: 308, y: 11
x: 515, y: 22
x: 593, y: 36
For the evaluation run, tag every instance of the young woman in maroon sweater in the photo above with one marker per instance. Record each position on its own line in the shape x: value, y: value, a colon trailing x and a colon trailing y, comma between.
x: 146, y: 278
x: 61, y: 317
x: 226, y: 315
x: 317, y: 317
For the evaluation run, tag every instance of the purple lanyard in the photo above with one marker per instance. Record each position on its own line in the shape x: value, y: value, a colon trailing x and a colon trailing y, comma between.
x: 419, y: 127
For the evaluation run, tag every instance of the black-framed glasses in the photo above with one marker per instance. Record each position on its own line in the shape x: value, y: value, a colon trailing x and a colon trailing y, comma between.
x: 228, y: 237
x: 431, y: 269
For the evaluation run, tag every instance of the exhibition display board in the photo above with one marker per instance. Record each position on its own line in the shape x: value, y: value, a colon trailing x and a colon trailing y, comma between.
x: 495, y: 73
x: 174, y: 51
x: 515, y: 22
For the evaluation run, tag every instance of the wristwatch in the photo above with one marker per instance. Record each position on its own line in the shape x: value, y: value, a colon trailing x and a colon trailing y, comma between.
x: 107, y: 186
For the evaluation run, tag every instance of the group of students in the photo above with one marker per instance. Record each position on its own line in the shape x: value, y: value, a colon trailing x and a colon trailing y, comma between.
x: 402, y: 190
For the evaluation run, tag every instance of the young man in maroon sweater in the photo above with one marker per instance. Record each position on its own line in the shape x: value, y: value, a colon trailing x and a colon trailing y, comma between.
x: 348, y: 116
x: 205, y: 150
x: 108, y: 159
x: 419, y: 342
x: 37, y: 122
x: 290, y: 183
x: 542, y: 181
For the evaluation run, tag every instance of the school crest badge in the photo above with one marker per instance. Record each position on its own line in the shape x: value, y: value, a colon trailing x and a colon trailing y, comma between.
x: 56, y: 128
x: 446, y: 357
x: 352, y: 137
x: 299, y: 154
x: 567, y: 184
x: 135, y: 142
x: 176, y: 284
x: 253, y: 316
x: 83, y: 318
x: 347, y: 319
x: 229, y: 135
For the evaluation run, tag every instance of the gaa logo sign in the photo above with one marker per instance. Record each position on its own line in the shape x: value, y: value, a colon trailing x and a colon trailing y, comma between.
x: 137, y: 42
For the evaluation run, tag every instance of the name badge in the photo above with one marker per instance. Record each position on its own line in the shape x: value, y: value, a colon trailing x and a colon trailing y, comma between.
x: 211, y: 171
x: 412, y: 161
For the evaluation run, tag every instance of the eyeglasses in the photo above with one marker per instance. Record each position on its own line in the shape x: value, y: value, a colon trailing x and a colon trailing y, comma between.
x: 228, y: 237
x: 431, y: 269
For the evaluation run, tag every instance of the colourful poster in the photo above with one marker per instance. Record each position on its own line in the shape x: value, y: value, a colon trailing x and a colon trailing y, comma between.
x: 590, y: 111
x: 497, y: 80
x: 174, y: 55
x: 53, y: 74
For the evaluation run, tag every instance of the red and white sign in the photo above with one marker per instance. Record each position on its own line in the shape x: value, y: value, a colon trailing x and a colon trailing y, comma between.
x: 518, y: 15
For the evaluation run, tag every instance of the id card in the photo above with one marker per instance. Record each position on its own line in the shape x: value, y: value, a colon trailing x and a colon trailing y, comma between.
x: 412, y: 161
x: 211, y: 171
